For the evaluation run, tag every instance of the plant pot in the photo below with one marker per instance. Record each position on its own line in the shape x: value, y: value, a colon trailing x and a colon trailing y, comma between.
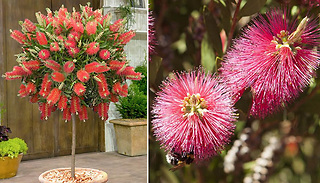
x: 9, y: 167
x: 97, y: 176
x: 131, y: 136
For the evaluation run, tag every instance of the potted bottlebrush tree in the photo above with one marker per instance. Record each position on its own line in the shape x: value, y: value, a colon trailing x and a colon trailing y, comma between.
x: 72, y: 61
x: 131, y: 130
x: 11, y: 151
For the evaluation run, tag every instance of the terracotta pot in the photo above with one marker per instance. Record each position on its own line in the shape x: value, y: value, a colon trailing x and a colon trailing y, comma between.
x: 9, y: 167
x: 101, y: 177
x: 131, y: 136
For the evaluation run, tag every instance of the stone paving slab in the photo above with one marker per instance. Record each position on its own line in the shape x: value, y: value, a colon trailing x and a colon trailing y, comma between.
x: 119, y: 168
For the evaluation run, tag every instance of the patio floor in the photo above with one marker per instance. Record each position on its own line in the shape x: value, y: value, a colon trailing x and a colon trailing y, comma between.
x: 119, y: 168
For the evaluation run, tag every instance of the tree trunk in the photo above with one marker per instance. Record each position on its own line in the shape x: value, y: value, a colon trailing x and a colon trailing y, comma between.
x: 73, y: 150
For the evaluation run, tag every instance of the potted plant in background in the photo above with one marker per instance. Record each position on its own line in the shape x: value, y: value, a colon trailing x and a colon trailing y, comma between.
x: 131, y: 131
x: 71, y: 61
x: 11, y: 151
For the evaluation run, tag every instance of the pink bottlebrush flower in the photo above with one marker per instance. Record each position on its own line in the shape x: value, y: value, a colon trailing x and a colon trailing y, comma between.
x: 104, y: 54
x: 193, y: 114
x: 62, y: 12
x: 79, y: 89
x: 75, y: 104
x: 117, y: 87
x: 102, y: 68
x: 18, y: 36
x: 41, y: 38
x: 124, y: 91
x: 152, y: 40
x: 75, y: 36
x: 126, y: 37
x: 34, y: 98
x: 66, y: 114
x: 77, y: 26
x: 73, y: 51
x: 63, y: 102
x: 92, y: 48
x: 57, y: 77
x: 70, y: 43
x: 23, y: 91
x: 83, y: 76
x: 28, y: 25
x: 60, y: 38
x: 92, y: 67
x: 31, y: 65
x: 31, y: 88
x: 54, y: 46
x: 114, y: 98
x: 44, y: 54
x: 91, y: 27
x: 54, y: 96
x: 51, y: 64
x: 68, y: 67
x: 83, y: 114
x: 116, y: 65
x: 45, y: 86
x: 45, y: 110
x: 275, y: 59
x: 116, y: 25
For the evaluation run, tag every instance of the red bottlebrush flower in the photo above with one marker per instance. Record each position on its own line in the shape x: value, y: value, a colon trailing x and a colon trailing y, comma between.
x: 75, y: 104
x: 124, y: 91
x: 102, y: 86
x: 54, y: 96
x: 66, y: 114
x: 103, y: 109
x: 126, y: 70
x: 57, y: 77
x: 83, y: 114
x: 34, y: 98
x: 117, y: 87
x: 51, y: 64
x: 114, y: 98
x: 77, y: 26
x: 83, y: 76
x: 31, y: 88
x: 16, y: 73
x: 73, y: 51
x: 273, y: 58
x: 62, y: 104
x: 70, y: 43
x: 102, y: 68
x: 103, y: 92
x: 116, y: 65
x: 26, y: 70
x: 152, y: 40
x: 92, y: 67
x: 91, y: 27
x: 54, y: 46
x: 44, y: 54
x: 23, y: 91
x: 45, y: 110
x: 193, y: 114
x: 68, y: 67
x: 18, y: 36
x: 31, y: 65
x: 116, y: 25
x: 126, y: 37
x: 134, y: 76
x: 41, y: 38
x: 75, y: 36
x: 28, y: 25
x: 104, y: 54
x: 92, y: 48
x: 45, y: 86
x: 79, y: 89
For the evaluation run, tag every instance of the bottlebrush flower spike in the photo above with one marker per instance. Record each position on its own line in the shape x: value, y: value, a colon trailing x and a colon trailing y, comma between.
x: 193, y: 114
x: 134, y: 76
x: 57, y: 77
x: 116, y: 25
x: 117, y: 87
x: 116, y: 65
x: 68, y: 67
x: 92, y: 48
x: 104, y: 54
x: 34, y: 98
x: 63, y: 102
x: 79, y: 89
x: 77, y: 26
x: 102, y: 68
x: 18, y: 36
x: 31, y: 88
x: 70, y: 43
x: 51, y: 64
x: 45, y: 110
x: 16, y: 73
x: 113, y: 98
x: 275, y: 59
x: 41, y: 38
x: 31, y: 65
x: 126, y: 37
x: 54, y: 46
x: 124, y: 91
x: 28, y: 25
x: 83, y: 76
x: 102, y: 86
x: 54, y: 96
x: 73, y: 51
x: 75, y: 104
x: 75, y: 36
x: 91, y: 27
x: 23, y: 91
x: 44, y: 54
x: 83, y: 114
x: 152, y: 40
x: 26, y: 70
x: 45, y: 86
x: 66, y: 114
x: 92, y: 67
x: 103, y: 109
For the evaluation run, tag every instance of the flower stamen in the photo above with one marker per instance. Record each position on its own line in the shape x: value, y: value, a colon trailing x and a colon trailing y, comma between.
x: 194, y: 104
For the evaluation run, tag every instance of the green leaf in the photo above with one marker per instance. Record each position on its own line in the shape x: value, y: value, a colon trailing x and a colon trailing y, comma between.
x: 251, y: 7
x: 207, y: 54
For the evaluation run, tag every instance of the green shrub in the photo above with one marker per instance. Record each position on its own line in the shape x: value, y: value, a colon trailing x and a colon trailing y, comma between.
x: 134, y: 105
x: 13, y: 147
x: 142, y: 84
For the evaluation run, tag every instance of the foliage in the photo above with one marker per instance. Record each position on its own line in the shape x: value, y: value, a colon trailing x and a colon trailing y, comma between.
x: 13, y: 147
x: 142, y: 84
x: 4, y: 133
x: 72, y: 60
x: 127, y: 12
x: 2, y: 111
x: 134, y: 105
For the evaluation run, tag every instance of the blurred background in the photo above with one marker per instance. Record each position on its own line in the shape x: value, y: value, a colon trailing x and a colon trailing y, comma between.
x: 281, y: 148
